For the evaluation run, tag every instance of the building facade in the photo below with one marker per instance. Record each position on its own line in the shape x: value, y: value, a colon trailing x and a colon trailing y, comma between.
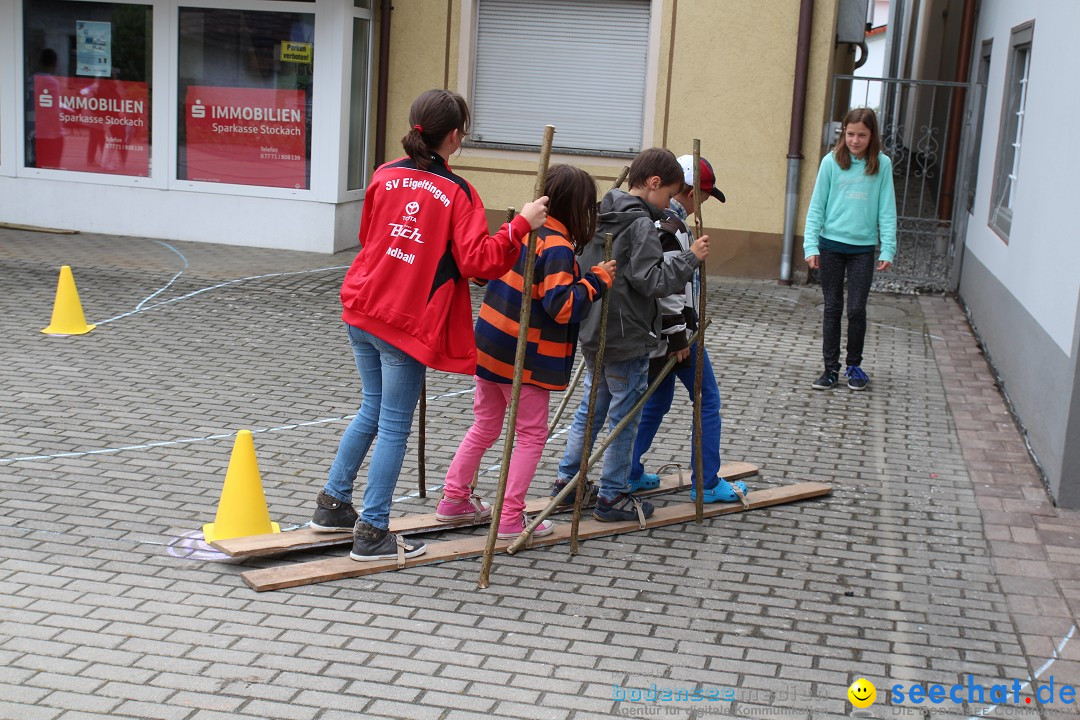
x: 242, y: 122
x: 1020, y: 253
x: 257, y: 122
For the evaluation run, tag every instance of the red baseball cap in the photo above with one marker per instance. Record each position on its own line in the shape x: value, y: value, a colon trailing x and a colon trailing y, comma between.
x: 707, y: 179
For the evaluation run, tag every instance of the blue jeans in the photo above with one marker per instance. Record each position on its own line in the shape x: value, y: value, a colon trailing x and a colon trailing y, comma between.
x: 391, y: 383
x: 621, y: 384
x: 659, y: 404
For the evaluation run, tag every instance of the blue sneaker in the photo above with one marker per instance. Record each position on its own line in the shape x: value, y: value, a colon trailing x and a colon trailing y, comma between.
x: 647, y: 481
x: 722, y: 493
x: 856, y: 378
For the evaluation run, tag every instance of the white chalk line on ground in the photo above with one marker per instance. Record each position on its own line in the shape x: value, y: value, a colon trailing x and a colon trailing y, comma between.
x: 204, y: 438
x: 140, y: 309
x: 1038, y: 673
x: 166, y: 286
x: 198, y: 549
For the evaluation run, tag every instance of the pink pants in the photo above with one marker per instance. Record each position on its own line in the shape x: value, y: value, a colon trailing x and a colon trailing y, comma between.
x: 489, y: 405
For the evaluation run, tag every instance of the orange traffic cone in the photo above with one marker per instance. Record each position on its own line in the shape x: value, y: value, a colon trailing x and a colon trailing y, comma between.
x: 67, y: 314
x: 242, y: 509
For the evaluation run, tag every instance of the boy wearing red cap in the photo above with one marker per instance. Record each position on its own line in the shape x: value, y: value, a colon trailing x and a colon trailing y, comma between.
x: 679, y: 314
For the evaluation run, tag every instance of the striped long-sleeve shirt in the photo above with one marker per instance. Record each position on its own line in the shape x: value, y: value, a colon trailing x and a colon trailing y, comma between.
x: 561, y: 296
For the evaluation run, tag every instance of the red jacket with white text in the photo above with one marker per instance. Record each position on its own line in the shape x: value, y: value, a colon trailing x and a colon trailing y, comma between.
x: 423, y: 233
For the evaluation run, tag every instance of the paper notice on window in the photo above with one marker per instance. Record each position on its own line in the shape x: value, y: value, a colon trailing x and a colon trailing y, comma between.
x: 296, y: 52
x: 93, y: 48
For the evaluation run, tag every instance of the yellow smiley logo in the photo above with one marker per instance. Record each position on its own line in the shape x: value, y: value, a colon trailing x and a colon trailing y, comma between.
x: 862, y: 693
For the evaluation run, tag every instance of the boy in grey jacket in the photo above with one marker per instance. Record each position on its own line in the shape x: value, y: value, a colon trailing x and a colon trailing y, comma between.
x: 680, y: 318
x: 633, y: 327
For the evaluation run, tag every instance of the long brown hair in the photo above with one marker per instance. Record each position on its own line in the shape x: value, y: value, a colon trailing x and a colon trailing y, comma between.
x: 867, y: 117
x: 432, y: 116
x: 572, y: 201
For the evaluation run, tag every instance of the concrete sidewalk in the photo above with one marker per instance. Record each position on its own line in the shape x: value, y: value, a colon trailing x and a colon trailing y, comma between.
x: 937, y: 557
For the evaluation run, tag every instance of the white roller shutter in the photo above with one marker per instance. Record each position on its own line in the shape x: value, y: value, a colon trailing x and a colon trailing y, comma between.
x: 576, y: 64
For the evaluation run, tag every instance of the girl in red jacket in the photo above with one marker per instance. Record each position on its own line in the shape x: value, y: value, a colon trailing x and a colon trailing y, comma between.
x: 561, y: 295
x: 406, y: 306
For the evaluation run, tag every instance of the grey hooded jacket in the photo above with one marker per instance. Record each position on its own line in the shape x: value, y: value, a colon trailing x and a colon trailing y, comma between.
x: 641, y: 277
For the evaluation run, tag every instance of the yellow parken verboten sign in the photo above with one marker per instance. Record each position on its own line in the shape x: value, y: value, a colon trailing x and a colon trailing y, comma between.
x: 297, y: 52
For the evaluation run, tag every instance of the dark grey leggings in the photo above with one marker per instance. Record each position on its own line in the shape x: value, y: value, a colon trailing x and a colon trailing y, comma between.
x: 859, y: 270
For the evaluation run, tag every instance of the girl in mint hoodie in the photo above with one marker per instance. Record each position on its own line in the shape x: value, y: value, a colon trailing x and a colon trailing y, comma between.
x: 852, y: 208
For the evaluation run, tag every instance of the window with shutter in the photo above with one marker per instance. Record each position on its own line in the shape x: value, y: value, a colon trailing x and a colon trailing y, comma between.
x: 580, y: 66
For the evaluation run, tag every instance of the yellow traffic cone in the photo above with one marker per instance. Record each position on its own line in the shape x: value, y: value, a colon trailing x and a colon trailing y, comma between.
x: 242, y: 509
x: 67, y: 314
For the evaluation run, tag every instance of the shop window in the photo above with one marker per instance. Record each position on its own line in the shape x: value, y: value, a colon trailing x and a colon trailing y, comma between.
x: 87, y: 86
x: 1011, y: 132
x: 358, y: 104
x: 579, y: 66
x: 245, y: 92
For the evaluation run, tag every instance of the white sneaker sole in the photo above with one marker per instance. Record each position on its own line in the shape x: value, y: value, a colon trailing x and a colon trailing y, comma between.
x: 544, y: 530
x: 388, y: 556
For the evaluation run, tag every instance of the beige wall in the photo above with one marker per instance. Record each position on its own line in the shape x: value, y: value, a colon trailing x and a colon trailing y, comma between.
x: 731, y: 70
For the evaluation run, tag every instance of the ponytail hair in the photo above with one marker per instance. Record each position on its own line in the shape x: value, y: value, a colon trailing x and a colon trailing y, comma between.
x: 572, y: 201
x: 867, y: 117
x: 434, y: 114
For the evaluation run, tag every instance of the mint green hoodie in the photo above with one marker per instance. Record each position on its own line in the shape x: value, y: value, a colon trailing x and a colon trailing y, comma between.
x: 852, y: 207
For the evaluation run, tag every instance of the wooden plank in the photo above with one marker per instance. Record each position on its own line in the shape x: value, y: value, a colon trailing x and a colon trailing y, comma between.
x: 338, y: 568
x: 306, y: 539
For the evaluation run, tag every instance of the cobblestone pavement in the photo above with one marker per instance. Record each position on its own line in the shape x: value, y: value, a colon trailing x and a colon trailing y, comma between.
x: 937, y: 559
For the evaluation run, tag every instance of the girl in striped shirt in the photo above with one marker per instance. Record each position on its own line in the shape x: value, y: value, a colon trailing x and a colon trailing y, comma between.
x: 561, y: 297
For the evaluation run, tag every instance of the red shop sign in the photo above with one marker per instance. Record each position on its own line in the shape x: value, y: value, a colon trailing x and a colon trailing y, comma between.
x: 91, y: 125
x: 246, y: 136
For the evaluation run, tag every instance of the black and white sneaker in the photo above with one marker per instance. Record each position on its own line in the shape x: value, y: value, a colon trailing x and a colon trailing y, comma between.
x: 371, y: 543
x: 827, y: 381
x: 332, y: 515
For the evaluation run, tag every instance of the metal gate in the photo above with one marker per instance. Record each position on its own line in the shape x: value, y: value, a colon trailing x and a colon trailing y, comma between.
x: 914, y: 116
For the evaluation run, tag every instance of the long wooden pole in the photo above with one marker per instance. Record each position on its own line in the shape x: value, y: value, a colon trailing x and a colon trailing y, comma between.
x: 699, y: 350
x: 421, y: 446
x: 571, y: 486
x: 519, y: 363
x: 579, y: 498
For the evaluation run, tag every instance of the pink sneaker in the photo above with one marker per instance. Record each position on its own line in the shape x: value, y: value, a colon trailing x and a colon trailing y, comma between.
x: 510, y: 530
x: 471, y: 509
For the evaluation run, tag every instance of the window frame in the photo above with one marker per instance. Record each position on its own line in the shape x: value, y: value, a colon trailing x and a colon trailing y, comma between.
x: 11, y: 85
x: 317, y: 189
x: 467, y: 39
x: 983, y: 64
x: 1011, y: 130
x: 156, y: 178
x: 352, y: 14
x: 327, y: 164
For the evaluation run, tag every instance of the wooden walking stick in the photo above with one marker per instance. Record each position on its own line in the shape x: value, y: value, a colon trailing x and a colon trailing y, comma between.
x: 622, y: 177
x: 579, y: 498
x: 421, y: 446
x: 571, y: 486
x: 699, y: 350
x: 519, y: 363
x: 580, y: 368
x: 566, y: 397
